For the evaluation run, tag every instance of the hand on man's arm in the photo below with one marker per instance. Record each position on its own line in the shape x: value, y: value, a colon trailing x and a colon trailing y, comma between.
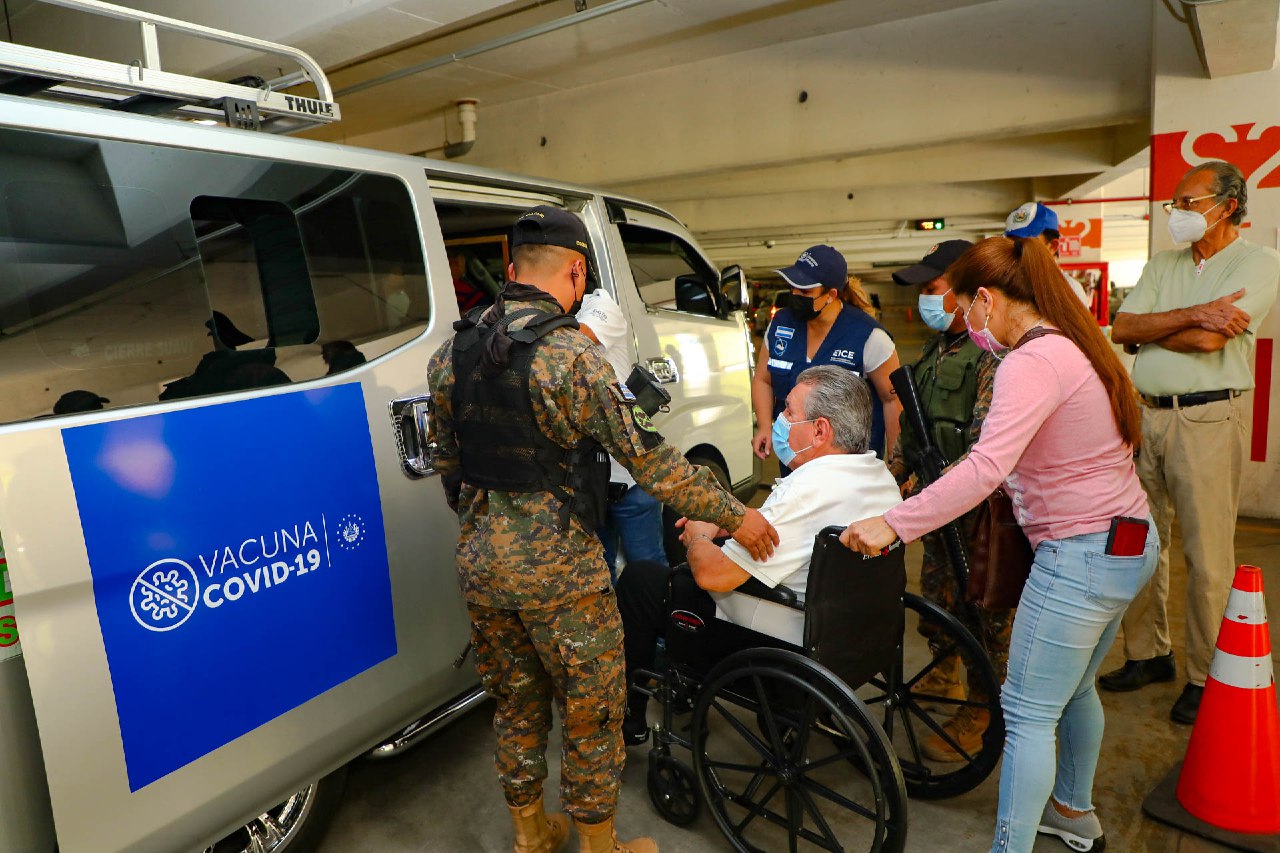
x: 757, y: 535
x: 712, y: 570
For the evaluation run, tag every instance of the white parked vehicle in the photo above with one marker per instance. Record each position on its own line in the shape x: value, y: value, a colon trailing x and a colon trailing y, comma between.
x: 229, y: 565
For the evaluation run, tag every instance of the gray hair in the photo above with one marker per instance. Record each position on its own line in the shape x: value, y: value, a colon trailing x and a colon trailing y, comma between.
x: 840, y: 396
x: 1228, y: 182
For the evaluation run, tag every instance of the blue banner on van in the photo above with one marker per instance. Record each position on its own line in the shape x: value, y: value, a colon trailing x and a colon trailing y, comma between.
x: 239, y: 565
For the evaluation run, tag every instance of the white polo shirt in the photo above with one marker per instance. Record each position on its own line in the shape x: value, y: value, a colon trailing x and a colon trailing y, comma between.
x: 604, y: 317
x: 836, y: 489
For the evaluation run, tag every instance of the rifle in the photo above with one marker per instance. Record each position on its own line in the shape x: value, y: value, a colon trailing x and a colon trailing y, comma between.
x: 930, y: 462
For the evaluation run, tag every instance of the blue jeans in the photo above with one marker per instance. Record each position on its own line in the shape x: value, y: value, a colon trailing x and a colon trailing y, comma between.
x: 1068, y: 616
x: 635, y: 522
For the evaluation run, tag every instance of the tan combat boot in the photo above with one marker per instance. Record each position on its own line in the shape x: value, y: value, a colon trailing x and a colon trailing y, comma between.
x: 536, y: 831
x: 601, y: 838
x: 966, y: 728
x: 943, y: 681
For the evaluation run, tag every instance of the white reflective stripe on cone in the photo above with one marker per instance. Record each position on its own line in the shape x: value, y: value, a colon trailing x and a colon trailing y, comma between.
x: 1247, y: 608
x: 1236, y: 671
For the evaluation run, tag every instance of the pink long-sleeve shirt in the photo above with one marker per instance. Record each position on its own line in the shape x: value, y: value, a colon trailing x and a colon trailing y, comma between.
x: 1051, y: 438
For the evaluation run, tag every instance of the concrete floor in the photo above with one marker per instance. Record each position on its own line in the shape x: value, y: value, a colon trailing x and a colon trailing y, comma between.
x: 443, y: 796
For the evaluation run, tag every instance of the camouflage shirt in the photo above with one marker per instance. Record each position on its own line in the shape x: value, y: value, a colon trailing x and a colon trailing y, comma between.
x: 512, y: 553
x: 899, y: 466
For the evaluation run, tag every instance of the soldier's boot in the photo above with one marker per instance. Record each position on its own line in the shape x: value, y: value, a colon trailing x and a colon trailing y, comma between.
x: 537, y: 831
x: 601, y: 838
x: 943, y: 682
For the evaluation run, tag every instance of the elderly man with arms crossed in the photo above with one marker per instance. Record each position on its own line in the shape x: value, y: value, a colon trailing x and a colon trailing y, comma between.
x: 823, y: 434
x: 1191, y: 319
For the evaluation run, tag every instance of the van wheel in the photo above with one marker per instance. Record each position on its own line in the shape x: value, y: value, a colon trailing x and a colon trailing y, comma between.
x: 297, y: 824
x: 671, y: 536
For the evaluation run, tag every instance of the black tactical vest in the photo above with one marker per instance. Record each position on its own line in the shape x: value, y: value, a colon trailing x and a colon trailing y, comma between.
x: 500, y: 445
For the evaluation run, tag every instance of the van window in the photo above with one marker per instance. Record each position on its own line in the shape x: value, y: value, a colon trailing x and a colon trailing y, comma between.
x: 668, y: 272
x: 131, y: 272
x: 476, y: 239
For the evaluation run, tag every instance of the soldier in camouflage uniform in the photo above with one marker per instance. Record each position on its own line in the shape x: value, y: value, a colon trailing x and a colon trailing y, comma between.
x: 955, y: 379
x: 519, y: 382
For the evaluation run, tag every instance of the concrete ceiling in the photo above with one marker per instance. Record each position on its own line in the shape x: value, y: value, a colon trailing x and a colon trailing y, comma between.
x: 766, y: 125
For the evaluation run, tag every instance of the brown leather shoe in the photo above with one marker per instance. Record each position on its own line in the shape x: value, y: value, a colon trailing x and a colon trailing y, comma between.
x: 537, y: 831
x: 601, y: 838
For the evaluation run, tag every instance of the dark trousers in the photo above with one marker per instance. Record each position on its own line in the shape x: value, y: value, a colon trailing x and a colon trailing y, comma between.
x: 642, y: 600
x: 647, y: 593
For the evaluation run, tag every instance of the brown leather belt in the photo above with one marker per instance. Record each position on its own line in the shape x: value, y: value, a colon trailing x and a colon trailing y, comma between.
x: 1181, y: 401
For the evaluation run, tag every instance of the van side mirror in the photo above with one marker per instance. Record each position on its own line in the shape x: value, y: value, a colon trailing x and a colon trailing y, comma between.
x: 733, y: 284
x: 695, y: 296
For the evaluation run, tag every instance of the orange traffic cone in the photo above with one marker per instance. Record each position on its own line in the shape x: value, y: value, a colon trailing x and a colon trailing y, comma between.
x: 1231, y: 775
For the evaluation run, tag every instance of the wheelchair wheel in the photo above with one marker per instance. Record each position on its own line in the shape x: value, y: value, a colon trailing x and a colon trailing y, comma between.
x: 673, y: 790
x: 770, y: 783
x: 945, y: 745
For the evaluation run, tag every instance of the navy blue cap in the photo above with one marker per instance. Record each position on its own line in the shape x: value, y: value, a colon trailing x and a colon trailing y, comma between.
x: 933, y: 264
x: 550, y: 226
x: 1030, y: 220
x: 818, y: 266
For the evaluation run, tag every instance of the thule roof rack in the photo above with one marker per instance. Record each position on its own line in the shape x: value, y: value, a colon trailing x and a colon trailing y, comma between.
x: 143, y: 87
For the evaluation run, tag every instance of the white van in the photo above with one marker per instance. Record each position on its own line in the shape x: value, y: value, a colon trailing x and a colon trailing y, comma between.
x: 231, y: 568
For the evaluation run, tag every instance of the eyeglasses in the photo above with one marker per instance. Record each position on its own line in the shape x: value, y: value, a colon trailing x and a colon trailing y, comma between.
x: 1185, y: 202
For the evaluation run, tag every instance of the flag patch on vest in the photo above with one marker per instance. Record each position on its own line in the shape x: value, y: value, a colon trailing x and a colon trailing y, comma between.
x: 782, y: 334
x: 622, y: 392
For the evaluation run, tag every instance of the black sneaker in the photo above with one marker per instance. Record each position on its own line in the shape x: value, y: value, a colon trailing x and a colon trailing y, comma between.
x: 1139, y: 673
x: 635, y: 731
x: 1188, y: 705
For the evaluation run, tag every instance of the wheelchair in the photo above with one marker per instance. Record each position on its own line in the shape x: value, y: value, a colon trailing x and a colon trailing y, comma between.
x: 814, y: 746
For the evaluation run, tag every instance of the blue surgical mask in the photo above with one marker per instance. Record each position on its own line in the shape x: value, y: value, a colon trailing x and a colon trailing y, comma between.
x: 782, y: 439
x: 933, y: 313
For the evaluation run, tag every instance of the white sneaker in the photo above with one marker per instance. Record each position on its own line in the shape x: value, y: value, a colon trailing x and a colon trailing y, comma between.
x: 1083, y: 833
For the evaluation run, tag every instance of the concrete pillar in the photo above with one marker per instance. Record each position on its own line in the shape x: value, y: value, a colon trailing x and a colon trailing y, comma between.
x: 1235, y: 118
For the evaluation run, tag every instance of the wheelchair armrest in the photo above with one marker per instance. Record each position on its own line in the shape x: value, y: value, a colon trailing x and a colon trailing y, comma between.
x: 778, y: 595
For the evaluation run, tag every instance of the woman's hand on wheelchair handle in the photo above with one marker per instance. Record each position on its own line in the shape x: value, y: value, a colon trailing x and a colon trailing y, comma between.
x: 871, y: 536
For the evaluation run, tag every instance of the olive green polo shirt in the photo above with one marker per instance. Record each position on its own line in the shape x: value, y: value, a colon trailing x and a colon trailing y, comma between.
x: 1170, y: 281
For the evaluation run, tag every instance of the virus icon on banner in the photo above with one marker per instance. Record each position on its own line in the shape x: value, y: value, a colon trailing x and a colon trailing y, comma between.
x: 351, y: 531
x: 164, y: 595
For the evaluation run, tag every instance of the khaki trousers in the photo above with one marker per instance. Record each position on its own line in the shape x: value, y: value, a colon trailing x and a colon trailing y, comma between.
x: 1189, y: 465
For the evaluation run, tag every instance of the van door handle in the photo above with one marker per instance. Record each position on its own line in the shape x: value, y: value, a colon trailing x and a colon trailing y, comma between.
x: 663, y: 369
x: 410, y: 420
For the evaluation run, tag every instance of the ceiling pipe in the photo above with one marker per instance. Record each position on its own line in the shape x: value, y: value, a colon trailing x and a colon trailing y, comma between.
x: 466, y: 118
x: 1071, y: 201
x: 494, y: 44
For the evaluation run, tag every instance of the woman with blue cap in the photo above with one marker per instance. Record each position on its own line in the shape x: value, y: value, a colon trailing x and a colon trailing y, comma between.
x: 822, y: 324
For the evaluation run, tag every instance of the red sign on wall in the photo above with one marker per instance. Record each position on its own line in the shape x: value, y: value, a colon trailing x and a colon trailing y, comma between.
x: 1077, y: 235
x: 1255, y: 151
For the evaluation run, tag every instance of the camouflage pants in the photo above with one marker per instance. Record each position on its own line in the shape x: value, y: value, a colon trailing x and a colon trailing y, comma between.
x: 572, y: 654
x: 938, y: 584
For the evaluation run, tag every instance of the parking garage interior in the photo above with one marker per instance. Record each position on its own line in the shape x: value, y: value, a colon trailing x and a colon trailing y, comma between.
x: 878, y: 127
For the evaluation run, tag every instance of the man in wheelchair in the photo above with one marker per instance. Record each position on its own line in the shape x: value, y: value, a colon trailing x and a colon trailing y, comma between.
x: 827, y: 424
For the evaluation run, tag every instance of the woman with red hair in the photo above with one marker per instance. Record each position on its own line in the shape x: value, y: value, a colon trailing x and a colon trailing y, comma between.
x: 1060, y: 438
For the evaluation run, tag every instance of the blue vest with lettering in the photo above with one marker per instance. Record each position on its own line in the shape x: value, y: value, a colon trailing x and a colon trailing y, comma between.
x: 788, y: 342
